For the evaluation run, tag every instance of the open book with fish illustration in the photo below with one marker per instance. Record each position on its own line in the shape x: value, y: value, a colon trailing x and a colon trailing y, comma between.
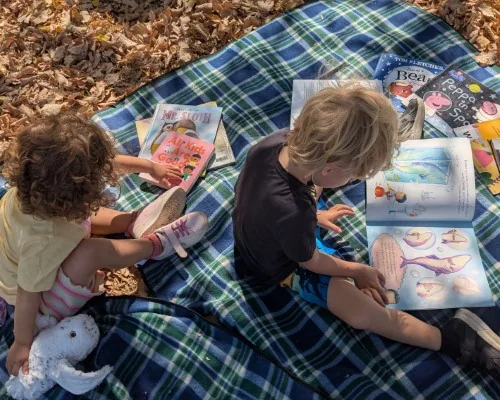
x: 419, y: 225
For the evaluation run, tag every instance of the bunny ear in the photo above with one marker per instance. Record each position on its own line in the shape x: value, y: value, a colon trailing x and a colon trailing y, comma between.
x: 77, y: 382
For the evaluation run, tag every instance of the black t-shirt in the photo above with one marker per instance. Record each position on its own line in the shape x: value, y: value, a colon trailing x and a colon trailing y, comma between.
x: 274, y: 215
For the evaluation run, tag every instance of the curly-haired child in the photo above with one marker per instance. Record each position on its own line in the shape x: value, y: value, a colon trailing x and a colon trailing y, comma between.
x: 58, y: 169
x: 341, y: 134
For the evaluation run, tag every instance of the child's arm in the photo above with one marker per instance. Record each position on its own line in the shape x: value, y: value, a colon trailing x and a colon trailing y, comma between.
x: 327, y: 217
x: 27, y: 304
x: 365, y: 276
x: 133, y: 165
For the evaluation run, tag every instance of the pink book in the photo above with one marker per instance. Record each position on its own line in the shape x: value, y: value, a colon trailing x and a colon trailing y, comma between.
x: 189, y: 154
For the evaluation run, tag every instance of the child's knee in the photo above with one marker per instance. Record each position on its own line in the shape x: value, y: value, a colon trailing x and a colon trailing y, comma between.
x: 84, y: 250
x: 80, y: 265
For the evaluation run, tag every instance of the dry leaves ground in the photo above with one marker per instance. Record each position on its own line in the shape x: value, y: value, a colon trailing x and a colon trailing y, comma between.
x: 476, y: 20
x: 86, y: 55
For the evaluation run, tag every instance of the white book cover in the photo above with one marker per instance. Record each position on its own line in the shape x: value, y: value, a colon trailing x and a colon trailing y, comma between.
x: 305, y: 88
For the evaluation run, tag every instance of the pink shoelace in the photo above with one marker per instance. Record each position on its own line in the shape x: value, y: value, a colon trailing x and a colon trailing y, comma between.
x: 180, y: 228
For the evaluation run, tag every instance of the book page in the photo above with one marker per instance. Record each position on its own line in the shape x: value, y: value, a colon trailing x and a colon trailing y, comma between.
x: 429, y: 267
x: 305, y: 88
x: 430, y: 180
x: 223, y: 152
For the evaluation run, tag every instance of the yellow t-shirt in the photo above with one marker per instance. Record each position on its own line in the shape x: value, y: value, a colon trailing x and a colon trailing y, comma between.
x: 32, y: 250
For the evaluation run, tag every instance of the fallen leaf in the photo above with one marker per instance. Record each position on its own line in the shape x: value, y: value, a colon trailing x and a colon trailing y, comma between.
x: 50, y: 109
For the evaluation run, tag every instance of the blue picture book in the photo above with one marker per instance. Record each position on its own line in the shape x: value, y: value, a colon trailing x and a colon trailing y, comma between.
x: 419, y: 227
x: 402, y: 76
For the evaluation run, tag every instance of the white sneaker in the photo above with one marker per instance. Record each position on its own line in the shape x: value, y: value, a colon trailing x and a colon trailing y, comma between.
x: 162, y: 211
x: 185, y: 232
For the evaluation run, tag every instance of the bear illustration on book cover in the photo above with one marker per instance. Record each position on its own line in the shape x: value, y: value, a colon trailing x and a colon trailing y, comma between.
x: 402, y: 76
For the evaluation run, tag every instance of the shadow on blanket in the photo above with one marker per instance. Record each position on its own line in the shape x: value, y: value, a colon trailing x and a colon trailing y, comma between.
x: 161, y: 350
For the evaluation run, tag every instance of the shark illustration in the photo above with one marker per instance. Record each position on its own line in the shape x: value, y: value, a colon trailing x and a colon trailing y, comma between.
x: 440, y: 266
x: 416, y: 239
x: 452, y: 236
x: 422, y: 169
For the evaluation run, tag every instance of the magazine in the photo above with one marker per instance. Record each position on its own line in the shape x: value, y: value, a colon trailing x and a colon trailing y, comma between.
x: 224, y: 155
x: 482, y: 137
x: 187, y: 153
x: 194, y: 121
x: 401, y: 76
x: 454, y: 99
x: 419, y: 227
x: 305, y: 88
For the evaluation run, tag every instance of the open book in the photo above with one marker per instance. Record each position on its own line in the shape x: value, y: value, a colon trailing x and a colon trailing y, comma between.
x: 419, y: 227
x: 305, y: 88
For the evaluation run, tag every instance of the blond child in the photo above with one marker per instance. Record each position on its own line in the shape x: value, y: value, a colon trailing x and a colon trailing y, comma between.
x: 341, y: 134
x: 58, y: 169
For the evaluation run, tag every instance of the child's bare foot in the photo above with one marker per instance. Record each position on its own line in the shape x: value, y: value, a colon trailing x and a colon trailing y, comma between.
x: 471, y: 342
x: 175, y: 237
x: 162, y: 211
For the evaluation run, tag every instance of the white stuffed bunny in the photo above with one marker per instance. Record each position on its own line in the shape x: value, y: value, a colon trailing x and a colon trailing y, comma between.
x: 54, y: 352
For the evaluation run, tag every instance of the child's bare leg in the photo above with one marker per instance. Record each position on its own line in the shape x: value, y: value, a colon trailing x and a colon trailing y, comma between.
x: 356, y: 309
x: 108, y: 221
x: 95, y: 253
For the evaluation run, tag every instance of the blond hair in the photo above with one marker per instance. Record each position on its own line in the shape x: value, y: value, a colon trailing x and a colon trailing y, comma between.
x: 354, y: 128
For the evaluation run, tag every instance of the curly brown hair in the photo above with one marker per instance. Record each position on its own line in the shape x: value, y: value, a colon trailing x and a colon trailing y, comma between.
x: 60, y: 167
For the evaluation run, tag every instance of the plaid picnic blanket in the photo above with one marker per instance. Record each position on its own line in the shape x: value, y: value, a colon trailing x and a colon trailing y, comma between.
x: 160, y: 350
x: 252, y: 80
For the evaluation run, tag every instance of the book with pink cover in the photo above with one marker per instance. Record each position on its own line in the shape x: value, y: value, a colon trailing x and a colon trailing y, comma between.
x: 189, y: 154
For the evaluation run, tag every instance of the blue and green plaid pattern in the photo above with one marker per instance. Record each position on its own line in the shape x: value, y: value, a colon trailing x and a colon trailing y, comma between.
x: 252, y: 80
x: 162, y: 351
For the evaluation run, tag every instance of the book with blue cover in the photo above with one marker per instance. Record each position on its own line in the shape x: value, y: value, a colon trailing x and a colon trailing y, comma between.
x: 402, y: 76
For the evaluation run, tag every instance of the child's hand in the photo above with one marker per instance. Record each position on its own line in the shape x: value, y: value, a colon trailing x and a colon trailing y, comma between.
x: 370, y: 282
x: 17, y: 357
x: 162, y: 172
x: 326, y: 218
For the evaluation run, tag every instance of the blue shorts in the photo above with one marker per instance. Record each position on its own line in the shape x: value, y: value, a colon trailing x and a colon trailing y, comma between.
x: 312, y: 287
